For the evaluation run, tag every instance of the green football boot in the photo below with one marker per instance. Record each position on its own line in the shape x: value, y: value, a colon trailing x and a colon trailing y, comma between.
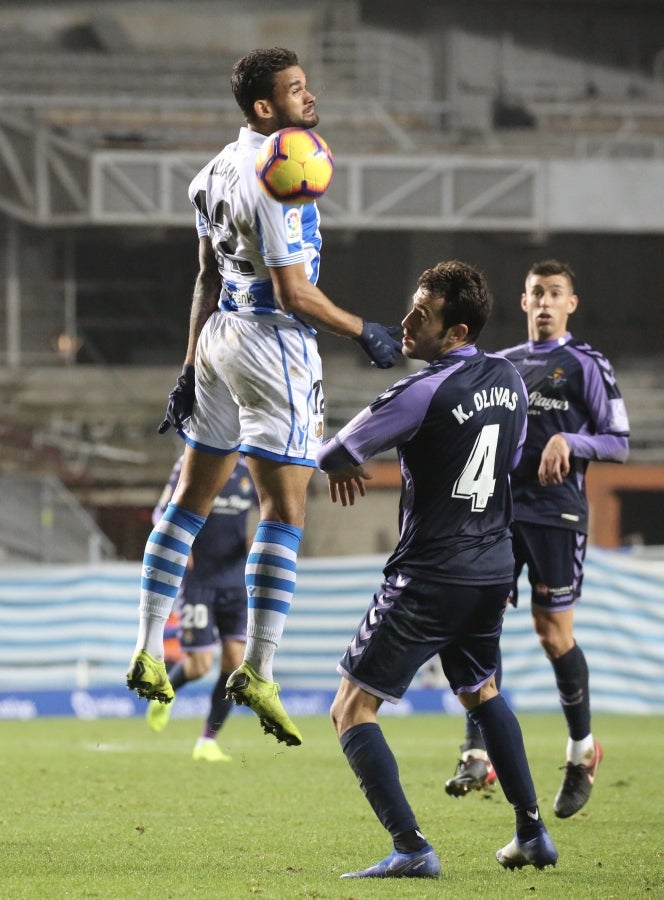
x: 248, y: 688
x: 147, y: 676
x: 157, y: 715
x: 209, y: 750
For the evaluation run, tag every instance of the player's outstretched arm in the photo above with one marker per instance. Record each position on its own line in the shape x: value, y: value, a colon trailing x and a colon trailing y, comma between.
x: 297, y: 295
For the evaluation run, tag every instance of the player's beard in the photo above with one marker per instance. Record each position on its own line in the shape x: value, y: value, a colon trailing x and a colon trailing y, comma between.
x: 312, y: 121
x: 308, y: 122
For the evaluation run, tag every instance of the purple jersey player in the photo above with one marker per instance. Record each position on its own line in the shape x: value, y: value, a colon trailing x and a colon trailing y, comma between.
x: 575, y: 415
x: 458, y: 426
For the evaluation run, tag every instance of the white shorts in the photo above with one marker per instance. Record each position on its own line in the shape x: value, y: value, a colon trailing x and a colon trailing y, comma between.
x: 258, y: 390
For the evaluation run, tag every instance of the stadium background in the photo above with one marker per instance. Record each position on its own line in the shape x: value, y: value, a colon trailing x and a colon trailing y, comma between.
x: 498, y: 131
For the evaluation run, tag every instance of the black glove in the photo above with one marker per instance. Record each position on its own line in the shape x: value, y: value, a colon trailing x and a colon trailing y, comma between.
x: 180, y: 400
x: 380, y: 344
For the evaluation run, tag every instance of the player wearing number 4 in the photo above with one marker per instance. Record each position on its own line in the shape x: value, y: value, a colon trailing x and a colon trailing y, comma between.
x: 575, y: 415
x: 458, y: 426
x: 251, y: 383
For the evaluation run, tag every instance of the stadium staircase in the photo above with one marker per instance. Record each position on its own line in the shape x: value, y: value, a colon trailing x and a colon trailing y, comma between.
x: 376, y: 89
x: 95, y: 427
x: 642, y: 385
x: 42, y: 522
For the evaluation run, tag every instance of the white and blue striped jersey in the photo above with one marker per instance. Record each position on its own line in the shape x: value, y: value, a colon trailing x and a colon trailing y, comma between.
x: 251, y: 232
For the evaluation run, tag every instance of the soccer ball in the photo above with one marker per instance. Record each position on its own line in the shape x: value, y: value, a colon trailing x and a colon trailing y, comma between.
x: 295, y: 166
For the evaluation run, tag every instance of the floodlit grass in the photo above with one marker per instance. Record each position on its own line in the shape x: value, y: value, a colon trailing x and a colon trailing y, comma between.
x: 106, y: 809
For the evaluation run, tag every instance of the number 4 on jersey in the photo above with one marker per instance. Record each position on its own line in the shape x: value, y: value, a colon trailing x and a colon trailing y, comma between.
x: 477, y: 482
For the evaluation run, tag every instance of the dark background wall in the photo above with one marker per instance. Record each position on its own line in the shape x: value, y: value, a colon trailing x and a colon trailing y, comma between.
x: 135, y: 286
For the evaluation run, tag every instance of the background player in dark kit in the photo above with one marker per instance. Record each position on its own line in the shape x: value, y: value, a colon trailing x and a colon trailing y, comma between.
x: 575, y: 414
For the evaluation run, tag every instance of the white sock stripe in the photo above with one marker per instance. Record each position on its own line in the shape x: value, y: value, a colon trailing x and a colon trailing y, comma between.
x: 175, y: 531
x: 271, y: 571
x: 173, y: 556
x: 272, y: 594
x: 162, y: 577
x: 274, y: 550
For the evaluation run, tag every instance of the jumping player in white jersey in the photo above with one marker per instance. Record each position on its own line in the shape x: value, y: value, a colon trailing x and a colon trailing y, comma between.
x: 251, y: 383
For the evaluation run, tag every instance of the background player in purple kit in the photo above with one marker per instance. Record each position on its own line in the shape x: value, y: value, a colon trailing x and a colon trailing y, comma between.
x: 458, y: 425
x: 212, y: 604
x: 575, y: 414
x: 251, y: 383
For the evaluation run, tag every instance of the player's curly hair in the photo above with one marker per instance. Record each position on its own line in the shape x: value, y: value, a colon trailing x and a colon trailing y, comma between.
x: 468, y: 300
x: 253, y: 76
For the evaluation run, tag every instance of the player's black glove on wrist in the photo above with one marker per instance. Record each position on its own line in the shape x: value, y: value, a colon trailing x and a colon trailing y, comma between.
x: 180, y: 400
x: 380, y: 344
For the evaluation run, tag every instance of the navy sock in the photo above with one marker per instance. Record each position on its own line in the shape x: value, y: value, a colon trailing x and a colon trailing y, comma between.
x: 176, y: 676
x: 528, y: 824
x: 410, y: 842
x: 504, y: 744
x: 474, y: 739
x: 220, y: 707
x: 375, y: 767
x: 571, y: 671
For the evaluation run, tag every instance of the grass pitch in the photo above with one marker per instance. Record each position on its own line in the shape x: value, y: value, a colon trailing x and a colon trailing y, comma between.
x: 106, y: 809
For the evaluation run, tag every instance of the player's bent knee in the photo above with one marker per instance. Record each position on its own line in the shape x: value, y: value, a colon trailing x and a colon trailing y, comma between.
x: 342, y: 711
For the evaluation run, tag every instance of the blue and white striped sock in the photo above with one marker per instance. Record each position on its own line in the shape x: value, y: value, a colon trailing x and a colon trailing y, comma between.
x: 270, y: 577
x: 164, y: 563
